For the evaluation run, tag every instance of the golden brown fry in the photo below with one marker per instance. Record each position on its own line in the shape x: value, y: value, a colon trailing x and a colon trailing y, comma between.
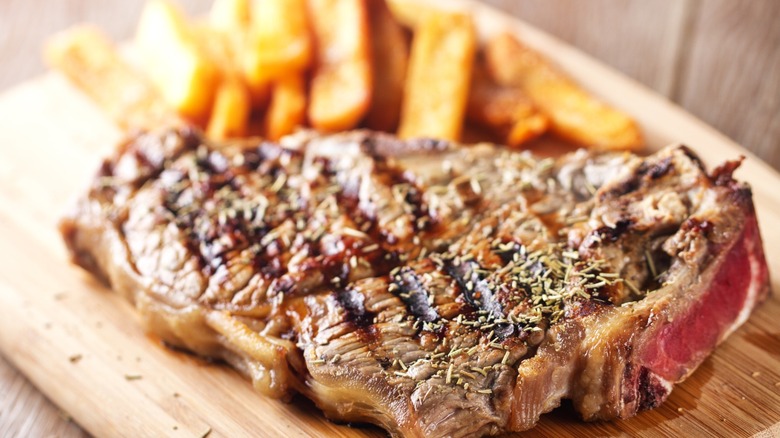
x: 218, y: 47
x: 579, y: 117
x: 439, y: 75
x: 226, y: 48
x: 184, y: 74
x: 490, y: 104
x: 411, y: 13
x: 233, y: 101
x: 506, y: 111
x: 230, y: 114
x: 287, y: 110
x: 230, y: 97
x: 341, y: 86
x: 260, y: 95
x: 511, y: 64
x: 225, y: 38
x: 278, y: 42
x: 89, y: 59
x: 229, y: 15
x: 527, y: 126
x: 390, y: 57
x: 574, y: 114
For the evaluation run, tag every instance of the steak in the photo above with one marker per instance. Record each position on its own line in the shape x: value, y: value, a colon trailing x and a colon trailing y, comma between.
x: 430, y: 288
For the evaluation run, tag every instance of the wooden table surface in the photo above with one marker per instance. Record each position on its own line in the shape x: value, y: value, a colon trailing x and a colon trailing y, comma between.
x: 719, y: 59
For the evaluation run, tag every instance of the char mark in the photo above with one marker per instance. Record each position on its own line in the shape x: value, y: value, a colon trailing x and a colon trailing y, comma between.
x: 628, y: 186
x: 476, y: 289
x: 645, y: 174
x: 232, y: 224
x: 650, y: 390
x: 612, y: 234
x: 509, y: 252
x: 660, y: 168
x: 394, y: 177
x: 412, y: 292
x: 150, y: 162
x: 723, y: 175
x: 355, y: 311
x: 693, y: 157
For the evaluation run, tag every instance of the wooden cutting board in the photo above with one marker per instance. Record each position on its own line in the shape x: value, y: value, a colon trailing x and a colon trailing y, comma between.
x: 84, y: 348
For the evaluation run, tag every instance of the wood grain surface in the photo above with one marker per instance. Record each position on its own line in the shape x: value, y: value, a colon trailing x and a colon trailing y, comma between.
x: 718, y: 58
x: 25, y: 411
x: 742, y: 101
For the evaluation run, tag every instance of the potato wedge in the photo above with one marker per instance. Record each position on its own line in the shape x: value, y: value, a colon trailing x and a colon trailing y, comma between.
x: 390, y: 57
x: 225, y: 33
x: 340, y: 91
x: 229, y: 16
x: 506, y: 111
x: 438, y: 79
x: 528, y: 125
x: 278, y: 41
x: 89, y: 60
x: 179, y: 68
x: 287, y: 110
x: 510, y: 63
x: 581, y: 118
x: 411, y: 13
x: 574, y: 114
x: 490, y: 104
x: 230, y: 114
x: 218, y: 47
x: 232, y: 101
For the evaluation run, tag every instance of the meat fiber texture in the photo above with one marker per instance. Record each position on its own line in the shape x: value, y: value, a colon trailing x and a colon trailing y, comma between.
x: 430, y: 288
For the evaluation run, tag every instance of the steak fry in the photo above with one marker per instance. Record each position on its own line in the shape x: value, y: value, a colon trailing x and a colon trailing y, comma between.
x: 429, y: 288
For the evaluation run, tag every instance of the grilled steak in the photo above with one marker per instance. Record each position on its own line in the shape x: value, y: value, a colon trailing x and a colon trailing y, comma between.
x: 432, y: 289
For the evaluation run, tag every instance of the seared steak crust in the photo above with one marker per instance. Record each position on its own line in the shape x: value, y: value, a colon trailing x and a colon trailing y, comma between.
x: 433, y: 289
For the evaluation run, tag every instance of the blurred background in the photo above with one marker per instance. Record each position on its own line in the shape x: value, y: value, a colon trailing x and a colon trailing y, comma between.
x: 719, y: 59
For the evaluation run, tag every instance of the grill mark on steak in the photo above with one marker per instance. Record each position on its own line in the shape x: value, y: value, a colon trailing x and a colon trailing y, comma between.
x: 661, y: 168
x: 145, y: 157
x: 474, y: 287
x: 211, y: 180
x: 497, y: 305
x: 413, y: 294
x: 613, y: 234
x: 354, y: 307
x: 646, y: 173
x: 692, y: 156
